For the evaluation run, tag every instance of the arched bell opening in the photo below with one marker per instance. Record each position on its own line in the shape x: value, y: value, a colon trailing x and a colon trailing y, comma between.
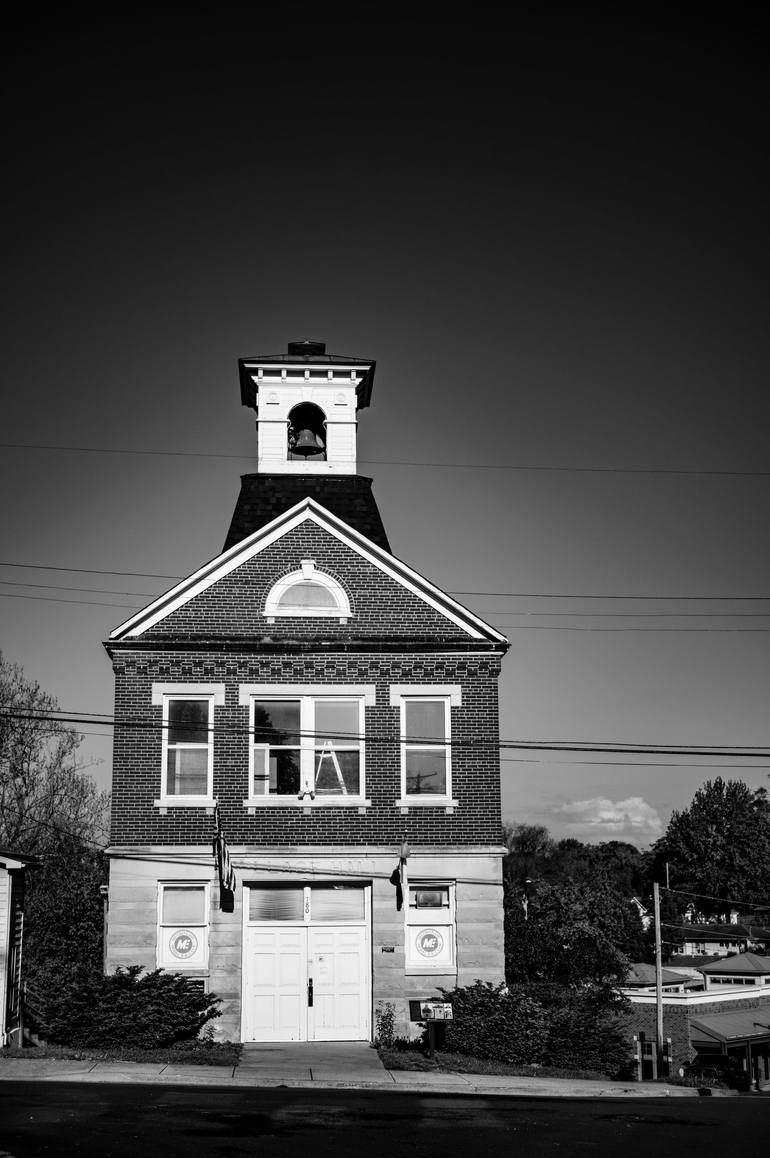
x: 307, y: 433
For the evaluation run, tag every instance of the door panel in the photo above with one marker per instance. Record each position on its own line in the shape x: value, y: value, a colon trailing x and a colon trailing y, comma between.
x: 276, y: 984
x: 337, y: 964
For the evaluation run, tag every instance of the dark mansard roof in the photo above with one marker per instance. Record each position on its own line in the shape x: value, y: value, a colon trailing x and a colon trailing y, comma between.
x: 264, y: 497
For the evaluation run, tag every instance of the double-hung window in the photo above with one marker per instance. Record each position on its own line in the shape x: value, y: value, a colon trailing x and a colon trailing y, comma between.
x: 306, y: 745
x: 183, y: 925
x: 188, y: 741
x: 426, y: 743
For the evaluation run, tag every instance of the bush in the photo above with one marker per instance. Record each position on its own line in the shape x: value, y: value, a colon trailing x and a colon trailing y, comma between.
x: 551, y: 1025
x: 583, y: 1027
x: 125, y: 1008
x: 491, y: 1022
x: 385, y: 1023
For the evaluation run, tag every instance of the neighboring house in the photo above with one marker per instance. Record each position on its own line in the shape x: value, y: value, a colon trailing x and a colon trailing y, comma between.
x: 745, y: 969
x: 724, y: 1017
x: 718, y: 940
x: 641, y: 979
x: 342, y: 711
x: 13, y: 868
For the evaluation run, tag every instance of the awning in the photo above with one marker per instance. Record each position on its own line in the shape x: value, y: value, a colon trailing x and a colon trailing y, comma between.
x: 743, y: 1025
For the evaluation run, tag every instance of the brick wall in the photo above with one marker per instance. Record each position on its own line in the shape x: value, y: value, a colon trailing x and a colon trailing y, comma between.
x: 138, y: 749
x: 676, y: 1022
x: 381, y: 606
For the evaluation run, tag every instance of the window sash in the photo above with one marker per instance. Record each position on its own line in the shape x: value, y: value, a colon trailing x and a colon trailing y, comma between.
x: 187, y: 764
x: 426, y: 765
x: 327, y: 760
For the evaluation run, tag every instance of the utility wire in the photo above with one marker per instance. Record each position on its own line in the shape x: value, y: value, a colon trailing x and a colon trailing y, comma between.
x: 88, y: 590
x: 498, y: 627
x: 709, y: 897
x: 524, y: 760
x: 398, y: 462
x: 487, y: 611
x: 64, y: 717
x: 496, y: 594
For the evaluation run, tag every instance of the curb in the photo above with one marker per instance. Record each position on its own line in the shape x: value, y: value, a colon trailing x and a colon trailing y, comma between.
x: 462, y: 1085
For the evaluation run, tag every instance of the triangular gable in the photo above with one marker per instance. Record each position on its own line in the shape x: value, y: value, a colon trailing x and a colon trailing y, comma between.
x: 306, y: 510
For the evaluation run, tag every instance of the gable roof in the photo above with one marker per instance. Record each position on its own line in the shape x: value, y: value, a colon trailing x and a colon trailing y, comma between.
x: 642, y: 974
x: 748, y: 963
x: 307, y: 510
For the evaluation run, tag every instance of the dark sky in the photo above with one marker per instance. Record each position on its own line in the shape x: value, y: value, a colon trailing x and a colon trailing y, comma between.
x: 553, y: 239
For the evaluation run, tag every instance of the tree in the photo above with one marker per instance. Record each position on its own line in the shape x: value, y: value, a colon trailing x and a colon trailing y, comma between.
x: 572, y: 935
x: 720, y: 845
x: 529, y: 846
x: 46, y: 798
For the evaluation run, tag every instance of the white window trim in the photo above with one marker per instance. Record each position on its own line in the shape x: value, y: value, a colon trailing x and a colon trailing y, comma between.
x: 162, y: 694
x: 446, y: 919
x: 409, y: 694
x: 163, y: 963
x: 308, y: 695
x: 307, y: 571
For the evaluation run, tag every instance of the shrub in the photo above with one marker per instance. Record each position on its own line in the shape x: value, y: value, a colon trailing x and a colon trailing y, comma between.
x: 553, y: 1025
x: 385, y: 1023
x: 583, y: 1027
x: 491, y: 1022
x: 125, y: 1008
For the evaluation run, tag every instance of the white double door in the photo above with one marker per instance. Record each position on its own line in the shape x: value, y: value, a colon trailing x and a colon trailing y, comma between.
x: 306, y: 983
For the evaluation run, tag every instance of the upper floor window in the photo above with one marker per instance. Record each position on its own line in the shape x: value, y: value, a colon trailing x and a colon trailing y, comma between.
x: 425, y: 737
x: 309, y: 593
x: 426, y: 741
x: 307, y: 745
x: 188, y: 740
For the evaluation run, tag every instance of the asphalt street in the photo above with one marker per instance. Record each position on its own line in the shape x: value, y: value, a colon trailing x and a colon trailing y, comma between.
x: 126, y: 1121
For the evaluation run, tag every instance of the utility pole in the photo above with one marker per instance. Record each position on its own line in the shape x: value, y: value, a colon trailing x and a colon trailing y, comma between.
x: 658, y: 982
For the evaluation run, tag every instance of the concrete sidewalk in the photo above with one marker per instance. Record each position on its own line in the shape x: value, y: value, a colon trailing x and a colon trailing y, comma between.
x: 338, y: 1065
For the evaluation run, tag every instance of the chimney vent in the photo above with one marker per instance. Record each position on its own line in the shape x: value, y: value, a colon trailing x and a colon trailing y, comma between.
x: 307, y: 349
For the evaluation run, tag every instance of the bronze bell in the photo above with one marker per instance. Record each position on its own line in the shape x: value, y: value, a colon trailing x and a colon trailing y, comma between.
x: 307, y: 443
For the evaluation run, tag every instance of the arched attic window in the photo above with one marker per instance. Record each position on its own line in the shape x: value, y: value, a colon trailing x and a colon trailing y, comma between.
x: 308, y: 594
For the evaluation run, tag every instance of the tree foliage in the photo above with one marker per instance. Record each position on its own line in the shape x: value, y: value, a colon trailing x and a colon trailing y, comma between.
x: 46, y: 798
x: 570, y: 934
x: 533, y: 854
x: 720, y: 845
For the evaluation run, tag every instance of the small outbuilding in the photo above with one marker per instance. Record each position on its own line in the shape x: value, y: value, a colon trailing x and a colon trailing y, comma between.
x: 13, y: 868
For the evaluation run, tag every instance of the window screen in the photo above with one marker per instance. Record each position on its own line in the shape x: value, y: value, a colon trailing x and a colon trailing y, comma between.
x: 183, y: 905
x: 337, y: 903
x: 275, y: 904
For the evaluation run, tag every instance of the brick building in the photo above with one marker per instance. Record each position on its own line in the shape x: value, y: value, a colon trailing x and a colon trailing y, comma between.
x: 728, y: 1014
x: 342, y: 713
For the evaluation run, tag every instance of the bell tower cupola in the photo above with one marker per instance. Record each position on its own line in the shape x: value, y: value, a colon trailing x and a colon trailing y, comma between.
x: 306, y: 402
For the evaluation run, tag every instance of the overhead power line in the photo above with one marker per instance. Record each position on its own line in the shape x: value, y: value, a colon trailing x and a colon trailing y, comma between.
x: 547, y: 467
x: 89, y: 571
x: 603, y: 747
x: 709, y: 897
x: 495, y: 594
x: 500, y: 627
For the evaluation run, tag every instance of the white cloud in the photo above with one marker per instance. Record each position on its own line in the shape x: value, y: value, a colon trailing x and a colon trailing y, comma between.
x: 600, y: 818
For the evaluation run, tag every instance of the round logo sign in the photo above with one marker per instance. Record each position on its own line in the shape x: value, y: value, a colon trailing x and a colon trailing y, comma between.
x: 429, y: 942
x: 183, y: 943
